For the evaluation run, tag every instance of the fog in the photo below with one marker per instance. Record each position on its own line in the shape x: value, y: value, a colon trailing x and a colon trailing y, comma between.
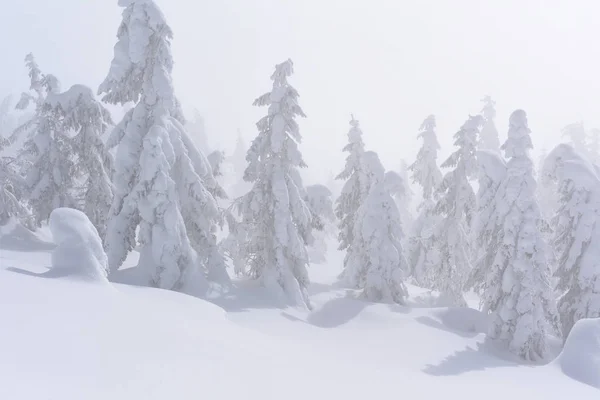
x: 391, y: 63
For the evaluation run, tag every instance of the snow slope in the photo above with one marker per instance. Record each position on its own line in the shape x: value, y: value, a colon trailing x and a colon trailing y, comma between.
x: 66, y: 338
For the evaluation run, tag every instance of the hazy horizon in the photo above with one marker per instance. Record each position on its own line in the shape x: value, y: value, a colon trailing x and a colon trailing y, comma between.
x: 390, y: 63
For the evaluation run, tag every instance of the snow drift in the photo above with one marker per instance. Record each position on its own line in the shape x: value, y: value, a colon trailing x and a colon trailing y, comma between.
x: 580, y: 358
x: 79, y: 249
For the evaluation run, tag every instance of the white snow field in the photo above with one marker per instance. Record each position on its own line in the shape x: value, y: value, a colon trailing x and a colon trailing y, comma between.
x: 68, y: 336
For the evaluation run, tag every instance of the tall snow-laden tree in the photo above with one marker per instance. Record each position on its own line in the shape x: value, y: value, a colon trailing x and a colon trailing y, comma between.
x: 487, y: 225
x: 425, y: 173
x: 47, y: 148
x: 376, y: 263
x: 577, y: 237
x: 577, y: 136
x: 85, y: 121
x: 159, y: 175
x: 279, y: 219
x: 456, y: 205
x: 489, y: 134
x: 353, y: 193
x: 517, y: 289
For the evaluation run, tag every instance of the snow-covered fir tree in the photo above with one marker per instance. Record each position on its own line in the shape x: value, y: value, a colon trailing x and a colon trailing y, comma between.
x: 456, y: 206
x: 86, y: 121
x: 425, y: 173
x: 489, y: 134
x: 487, y: 225
x: 197, y: 132
x: 47, y: 149
x: 577, y: 137
x: 160, y: 176
x: 577, y: 237
x: 376, y: 263
x: 353, y: 193
x: 517, y: 290
x: 278, y: 218
x: 319, y: 201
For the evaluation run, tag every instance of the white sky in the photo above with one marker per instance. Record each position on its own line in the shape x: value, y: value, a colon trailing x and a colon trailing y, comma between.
x: 391, y: 62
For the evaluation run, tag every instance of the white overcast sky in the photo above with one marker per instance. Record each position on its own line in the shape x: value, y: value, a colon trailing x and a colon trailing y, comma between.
x: 391, y: 62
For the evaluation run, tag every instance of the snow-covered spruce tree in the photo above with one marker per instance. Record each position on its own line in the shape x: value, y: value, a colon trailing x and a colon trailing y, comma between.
x: 577, y: 237
x: 577, y: 136
x: 517, y: 290
x: 353, y: 193
x: 278, y: 218
x: 86, y: 120
x: 456, y: 206
x: 159, y: 175
x: 489, y: 134
x: 376, y: 262
x: 425, y: 172
x: 487, y: 225
x: 318, y: 199
x: 48, y: 150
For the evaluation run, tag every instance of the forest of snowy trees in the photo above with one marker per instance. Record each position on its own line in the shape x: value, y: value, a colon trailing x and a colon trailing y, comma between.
x: 522, y: 237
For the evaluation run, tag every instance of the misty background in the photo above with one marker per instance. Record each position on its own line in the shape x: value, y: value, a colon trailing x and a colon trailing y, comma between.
x: 389, y: 62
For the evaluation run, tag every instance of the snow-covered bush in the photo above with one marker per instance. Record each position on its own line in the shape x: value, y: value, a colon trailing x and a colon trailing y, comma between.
x: 161, y: 180
x: 577, y: 235
x: 376, y: 264
x: 423, y: 255
x: 577, y: 136
x: 278, y: 220
x: 78, y: 251
x: 517, y: 289
x: 456, y: 205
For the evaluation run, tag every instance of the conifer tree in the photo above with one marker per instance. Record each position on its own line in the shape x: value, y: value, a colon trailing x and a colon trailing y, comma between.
x: 487, y: 231
x: 80, y: 113
x: 489, y: 133
x: 376, y: 263
x: 577, y: 237
x: 279, y: 221
x: 425, y: 172
x: 353, y: 193
x: 160, y: 177
x: 517, y: 290
x: 456, y: 206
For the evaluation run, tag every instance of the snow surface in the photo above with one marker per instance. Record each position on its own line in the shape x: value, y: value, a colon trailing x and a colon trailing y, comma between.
x: 69, y: 339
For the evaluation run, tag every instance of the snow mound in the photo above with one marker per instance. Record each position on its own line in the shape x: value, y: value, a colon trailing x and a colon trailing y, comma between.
x: 79, y: 249
x: 580, y: 358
